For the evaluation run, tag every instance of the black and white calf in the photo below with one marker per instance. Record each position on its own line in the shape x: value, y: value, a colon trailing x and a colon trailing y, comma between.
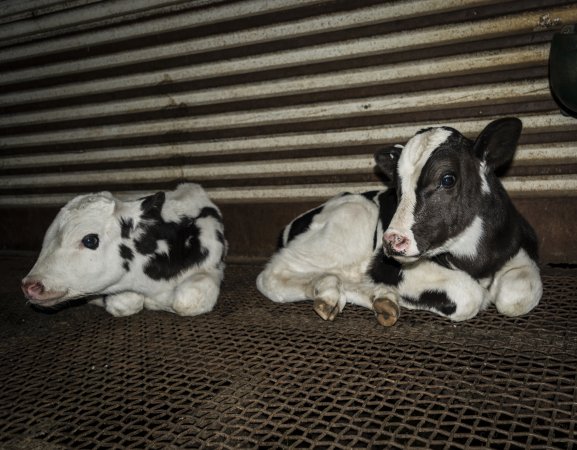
x: 161, y: 252
x: 452, y: 241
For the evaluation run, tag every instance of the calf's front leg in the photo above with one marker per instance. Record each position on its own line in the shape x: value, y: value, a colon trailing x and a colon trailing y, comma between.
x: 450, y: 293
x: 331, y: 294
x: 196, y: 294
x: 326, y: 291
x: 385, y: 304
x: 123, y: 304
x: 517, y: 288
x: 283, y: 285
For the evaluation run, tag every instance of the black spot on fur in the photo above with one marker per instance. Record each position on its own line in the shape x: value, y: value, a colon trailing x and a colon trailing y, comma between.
x: 127, y: 255
x: 443, y: 260
x: 434, y: 300
x: 126, y: 252
x: 208, y: 211
x: 370, y: 195
x: 220, y: 237
x: 152, y: 205
x: 126, y: 227
x: 182, y: 238
x: 387, y: 207
x: 529, y: 241
x: 423, y: 130
x: 300, y: 225
x: 385, y: 270
x: 184, y: 247
x: 146, y: 244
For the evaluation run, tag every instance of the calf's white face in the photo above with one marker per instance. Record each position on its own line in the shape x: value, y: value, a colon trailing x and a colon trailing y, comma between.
x: 79, y: 254
x: 442, y: 179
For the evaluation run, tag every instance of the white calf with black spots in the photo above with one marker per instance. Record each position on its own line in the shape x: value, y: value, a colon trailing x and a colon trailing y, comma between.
x: 452, y: 241
x: 161, y: 252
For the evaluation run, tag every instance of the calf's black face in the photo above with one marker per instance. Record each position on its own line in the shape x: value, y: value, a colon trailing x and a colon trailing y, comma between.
x: 443, y: 180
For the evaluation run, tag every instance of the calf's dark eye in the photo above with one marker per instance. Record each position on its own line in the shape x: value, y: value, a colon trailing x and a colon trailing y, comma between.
x: 91, y: 241
x: 448, y: 180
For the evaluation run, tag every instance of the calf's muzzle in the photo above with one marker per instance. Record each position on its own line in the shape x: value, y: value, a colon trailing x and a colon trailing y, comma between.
x: 36, y: 291
x: 395, y: 242
x: 32, y: 289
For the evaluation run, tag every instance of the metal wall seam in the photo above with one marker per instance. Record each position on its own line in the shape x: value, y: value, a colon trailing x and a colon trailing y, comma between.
x: 396, y: 133
x: 563, y: 185
x: 16, y: 11
x: 73, y: 17
x: 502, y: 59
x: 150, y: 27
x: 392, y: 104
x: 531, y: 154
x: 359, y: 164
x: 558, y: 186
x: 306, y: 100
x: 407, y: 40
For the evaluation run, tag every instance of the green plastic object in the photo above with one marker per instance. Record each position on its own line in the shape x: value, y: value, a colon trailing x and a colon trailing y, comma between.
x: 563, y: 68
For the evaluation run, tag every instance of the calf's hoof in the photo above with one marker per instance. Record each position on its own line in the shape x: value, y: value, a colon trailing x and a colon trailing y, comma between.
x: 387, y: 311
x: 325, y: 309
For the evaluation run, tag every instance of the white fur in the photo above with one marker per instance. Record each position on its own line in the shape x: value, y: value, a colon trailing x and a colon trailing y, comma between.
x: 68, y: 270
x: 466, y: 293
x: 330, y: 260
x: 162, y: 247
x: 483, y: 174
x: 465, y: 244
x: 517, y: 286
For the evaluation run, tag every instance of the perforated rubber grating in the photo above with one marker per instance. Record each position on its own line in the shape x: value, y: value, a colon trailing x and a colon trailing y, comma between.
x: 254, y: 374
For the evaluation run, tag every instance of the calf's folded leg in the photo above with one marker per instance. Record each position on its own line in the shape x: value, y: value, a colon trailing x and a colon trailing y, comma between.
x: 517, y: 286
x: 124, y: 304
x: 196, y: 294
x: 450, y: 293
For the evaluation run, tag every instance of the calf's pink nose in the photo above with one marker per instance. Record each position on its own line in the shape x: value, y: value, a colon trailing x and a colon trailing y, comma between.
x: 396, y: 242
x: 32, y: 288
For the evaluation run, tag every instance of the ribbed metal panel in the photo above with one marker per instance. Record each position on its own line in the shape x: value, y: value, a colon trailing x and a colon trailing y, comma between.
x: 266, y: 100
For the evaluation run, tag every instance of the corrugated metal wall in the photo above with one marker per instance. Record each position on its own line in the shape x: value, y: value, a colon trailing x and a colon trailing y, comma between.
x: 261, y: 100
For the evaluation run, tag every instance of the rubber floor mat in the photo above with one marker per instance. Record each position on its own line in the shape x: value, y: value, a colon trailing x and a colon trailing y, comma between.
x: 255, y: 374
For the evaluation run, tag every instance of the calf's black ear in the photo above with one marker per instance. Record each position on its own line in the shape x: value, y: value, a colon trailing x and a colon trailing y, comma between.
x: 387, y: 160
x: 152, y: 205
x: 497, y: 143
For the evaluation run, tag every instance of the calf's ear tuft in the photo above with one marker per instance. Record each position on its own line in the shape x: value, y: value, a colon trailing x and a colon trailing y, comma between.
x: 152, y: 205
x: 497, y: 143
x: 387, y: 160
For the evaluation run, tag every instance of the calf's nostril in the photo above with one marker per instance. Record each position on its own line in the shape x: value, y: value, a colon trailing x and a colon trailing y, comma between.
x: 31, y: 288
x: 402, y: 240
x: 396, y: 242
x: 393, y: 238
x: 390, y: 238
